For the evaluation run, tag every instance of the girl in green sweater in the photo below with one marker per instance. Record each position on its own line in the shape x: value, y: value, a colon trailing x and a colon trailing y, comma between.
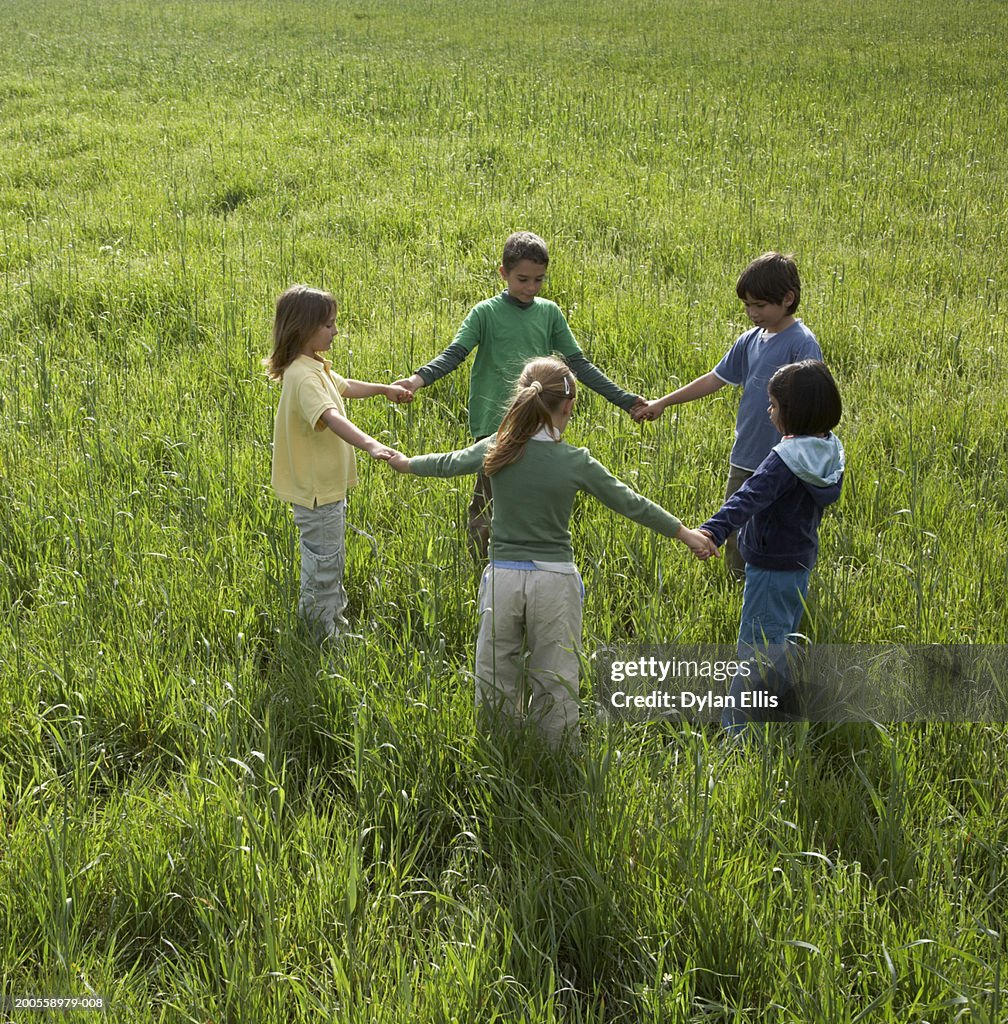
x: 531, y: 592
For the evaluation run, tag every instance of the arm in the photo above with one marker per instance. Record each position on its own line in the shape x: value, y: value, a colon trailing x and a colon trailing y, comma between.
x: 702, y: 386
x: 466, y: 339
x: 439, y: 367
x: 344, y: 429
x: 592, y: 377
x: 365, y: 389
x: 459, y: 463
x: 615, y: 494
x: 763, y: 488
x: 565, y: 344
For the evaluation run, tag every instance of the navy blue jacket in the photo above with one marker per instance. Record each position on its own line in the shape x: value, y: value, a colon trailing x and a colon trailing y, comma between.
x: 778, y: 509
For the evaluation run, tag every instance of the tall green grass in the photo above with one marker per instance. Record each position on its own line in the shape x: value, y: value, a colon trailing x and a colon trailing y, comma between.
x: 202, y: 817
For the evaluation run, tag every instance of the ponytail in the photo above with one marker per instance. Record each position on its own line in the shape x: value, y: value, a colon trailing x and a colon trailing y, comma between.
x: 543, y: 386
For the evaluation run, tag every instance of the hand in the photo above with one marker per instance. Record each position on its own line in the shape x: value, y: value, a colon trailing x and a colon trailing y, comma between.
x: 636, y: 411
x: 398, y: 393
x: 650, y: 411
x: 699, y: 542
x: 411, y: 383
x: 380, y: 452
x: 399, y: 462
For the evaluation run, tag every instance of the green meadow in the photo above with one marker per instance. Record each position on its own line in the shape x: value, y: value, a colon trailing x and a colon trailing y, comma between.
x: 204, y: 818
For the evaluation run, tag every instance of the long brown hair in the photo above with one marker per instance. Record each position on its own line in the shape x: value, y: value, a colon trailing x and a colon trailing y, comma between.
x: 544, y: 385
x: 300, y: 311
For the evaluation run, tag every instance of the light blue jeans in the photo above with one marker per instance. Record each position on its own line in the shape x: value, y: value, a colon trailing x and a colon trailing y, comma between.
x: 773, y: 603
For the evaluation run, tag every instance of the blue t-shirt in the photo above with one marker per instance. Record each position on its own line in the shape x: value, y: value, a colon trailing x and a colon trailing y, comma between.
x: 751, y: 362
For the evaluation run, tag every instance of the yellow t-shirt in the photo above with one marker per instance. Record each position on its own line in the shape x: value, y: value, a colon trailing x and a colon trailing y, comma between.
x: 311, y: 465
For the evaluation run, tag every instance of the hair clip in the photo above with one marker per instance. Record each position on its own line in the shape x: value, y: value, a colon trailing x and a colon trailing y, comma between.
x: 566, y: 386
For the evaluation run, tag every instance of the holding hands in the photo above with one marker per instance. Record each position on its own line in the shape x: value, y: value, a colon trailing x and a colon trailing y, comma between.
x: 380, y: 452
x: 398, y: 393
x: 636, y: 411
x: 399, y: 462
x: 699, y: 542
x: 647, y: 410
x: 411, y: 384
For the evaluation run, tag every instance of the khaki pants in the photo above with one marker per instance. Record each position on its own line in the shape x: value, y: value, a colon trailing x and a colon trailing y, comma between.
x: 527, y: 649
x: 734, y: 562
x: 323, y: 559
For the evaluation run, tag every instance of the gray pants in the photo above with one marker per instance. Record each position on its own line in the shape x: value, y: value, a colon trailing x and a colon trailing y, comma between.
x: 323, y: 558
x: 733, y: 560
x: 527, y: 649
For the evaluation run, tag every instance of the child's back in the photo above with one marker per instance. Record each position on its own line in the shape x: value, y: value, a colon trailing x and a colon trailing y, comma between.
x: 782, y: 505
x: 530, y: 596
x: 534, y: 497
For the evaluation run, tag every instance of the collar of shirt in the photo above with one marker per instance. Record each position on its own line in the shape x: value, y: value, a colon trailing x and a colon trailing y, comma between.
x: 317, y: 360
x: 514, y: 302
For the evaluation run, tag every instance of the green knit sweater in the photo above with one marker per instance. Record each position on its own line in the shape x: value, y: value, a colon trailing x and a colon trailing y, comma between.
x: 533, y: 497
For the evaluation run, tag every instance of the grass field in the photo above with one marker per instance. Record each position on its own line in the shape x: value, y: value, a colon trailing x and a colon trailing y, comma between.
x: 202, y: 817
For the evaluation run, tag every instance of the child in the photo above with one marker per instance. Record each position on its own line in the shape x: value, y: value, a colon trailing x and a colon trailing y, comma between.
x: 530, y: 595
x: 506, y: 331
x: 313, y: 463
x: 771, y: 289
x: 778, y: 510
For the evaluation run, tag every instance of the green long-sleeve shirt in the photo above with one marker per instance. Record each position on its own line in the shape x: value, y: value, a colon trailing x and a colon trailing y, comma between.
x: 533, y: 497
x: 505, y: 335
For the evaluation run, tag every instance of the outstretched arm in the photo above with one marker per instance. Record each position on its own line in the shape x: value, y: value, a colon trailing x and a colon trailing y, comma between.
x: 466, y: 339
x: 771, y: 479
x: 614, y: 494
x: 700, y: 387
x: 343, y: 428
x: 457, y: 463
x: 367, y: 389
x: 592, y: 377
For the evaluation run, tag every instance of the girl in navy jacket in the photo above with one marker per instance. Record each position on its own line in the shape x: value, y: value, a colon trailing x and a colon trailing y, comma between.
x: 777, y: 512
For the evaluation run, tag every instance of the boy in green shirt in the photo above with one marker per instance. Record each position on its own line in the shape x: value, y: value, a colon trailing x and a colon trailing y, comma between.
x: 506, y: 331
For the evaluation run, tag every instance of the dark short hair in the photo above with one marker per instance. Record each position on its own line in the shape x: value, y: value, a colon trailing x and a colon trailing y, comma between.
x: 807, y: 397
x: 524, y: 245
x: 769, y: 278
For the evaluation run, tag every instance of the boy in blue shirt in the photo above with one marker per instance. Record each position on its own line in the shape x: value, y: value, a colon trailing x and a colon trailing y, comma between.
x: 770, y: 288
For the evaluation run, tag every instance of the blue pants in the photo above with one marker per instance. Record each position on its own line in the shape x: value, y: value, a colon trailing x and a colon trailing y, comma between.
x: 773, y: 603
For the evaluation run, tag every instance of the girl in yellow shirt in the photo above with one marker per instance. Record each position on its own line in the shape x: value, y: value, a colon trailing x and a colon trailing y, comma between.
x: 313, y: 442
